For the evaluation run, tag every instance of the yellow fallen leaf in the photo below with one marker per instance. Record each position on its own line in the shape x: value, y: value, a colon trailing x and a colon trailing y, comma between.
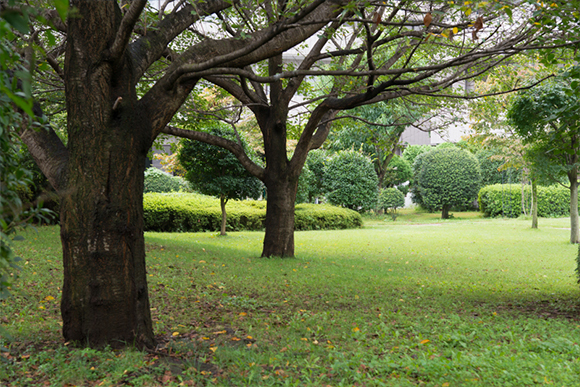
x: 49, y: 298
x: 220, y: 332
x: 425, y: 341
x: 304, y: 339
x: 205, y: 338
x: 175, y: 334
x: 213, y: 349
x: 236, y: 339
x: 249, y: 337
x: 356, y: 329
x: 445, y: 384
x: 243, y: 314
x: 202, y: 260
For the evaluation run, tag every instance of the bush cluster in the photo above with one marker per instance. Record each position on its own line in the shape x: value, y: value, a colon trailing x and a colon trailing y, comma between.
x: 506, y: 200
x: 350, y: 181
x: 158, y: 181
x: 181, y: 212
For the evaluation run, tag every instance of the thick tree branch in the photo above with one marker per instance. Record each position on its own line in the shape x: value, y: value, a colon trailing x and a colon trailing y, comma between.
x: 125, y: 30
x: 150, y: 47
x: 49, y: 152
x: 232, y: 146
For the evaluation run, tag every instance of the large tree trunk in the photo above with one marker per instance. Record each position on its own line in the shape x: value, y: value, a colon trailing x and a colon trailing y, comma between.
x: 105, y: 298
x: 574, y: 222
x: 279, y: 237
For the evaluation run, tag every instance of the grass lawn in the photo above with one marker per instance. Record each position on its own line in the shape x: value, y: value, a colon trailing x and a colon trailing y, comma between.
x: 415, y: 302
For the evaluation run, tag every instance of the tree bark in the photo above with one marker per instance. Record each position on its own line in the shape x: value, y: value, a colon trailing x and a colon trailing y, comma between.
x: 574, y: 221
x: 101, y: 206
x: 279, y: 237
x: 223, y: 202
x: 445, y: 212
x: 534, y: 204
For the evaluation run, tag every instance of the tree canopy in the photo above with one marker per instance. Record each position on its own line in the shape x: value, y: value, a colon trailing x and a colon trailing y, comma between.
x: 547, y: 118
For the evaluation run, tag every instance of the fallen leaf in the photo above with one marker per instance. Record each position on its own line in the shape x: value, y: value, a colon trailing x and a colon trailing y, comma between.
x: 175, y: 334
x: 425, y: 341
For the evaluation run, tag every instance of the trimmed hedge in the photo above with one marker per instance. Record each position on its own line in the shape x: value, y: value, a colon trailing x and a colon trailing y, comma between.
x: 158, y: 181
x: 506, y: 200
x: 181, y: 212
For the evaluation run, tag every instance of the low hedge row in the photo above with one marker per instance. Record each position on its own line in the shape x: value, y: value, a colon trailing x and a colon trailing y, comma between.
x: 182, y: 212
x: 506, y: 200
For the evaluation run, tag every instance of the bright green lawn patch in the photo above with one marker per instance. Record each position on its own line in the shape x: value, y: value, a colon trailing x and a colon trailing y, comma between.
x: 484, y: 302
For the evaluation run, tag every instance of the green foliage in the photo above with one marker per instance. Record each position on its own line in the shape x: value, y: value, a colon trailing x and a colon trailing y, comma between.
x: 412, y: 151
x: 350, y: 181
x: 15, y: 110
x: 448, y: 177
x: 194, y: 212
x: 397, y: 172
x: 446, y: 145
x: 158, y: 181
x: 414, y: 184
x: 310, y: 184
x: 506, y: 200
x: 215, y: 171
x: 391, y: 198
x: 491, y: 169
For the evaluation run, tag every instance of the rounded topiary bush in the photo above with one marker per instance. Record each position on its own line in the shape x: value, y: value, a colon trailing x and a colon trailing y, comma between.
x: 350, y: 181
x: 391, y: 198
x: 159, y: 181
x: 448, y: 177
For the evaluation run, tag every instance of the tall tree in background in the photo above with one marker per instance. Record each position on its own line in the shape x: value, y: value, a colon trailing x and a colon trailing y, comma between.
x: 128, y: 71
x: 548, y: 118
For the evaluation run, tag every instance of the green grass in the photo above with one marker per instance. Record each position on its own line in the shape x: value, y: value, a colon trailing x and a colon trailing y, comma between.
x: 414, y: 302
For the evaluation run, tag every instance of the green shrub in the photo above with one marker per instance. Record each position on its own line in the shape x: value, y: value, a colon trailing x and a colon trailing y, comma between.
x: 325, y: 217
x: 489, y: 165
x: 158, y: 181
x: 350, y: 181
x: 181, y: 212
x: 398, y: 171
x: 414, y: 186
x: 448, y: 177
x: 391, y: 198
x: 506, y: 200
x: 412, y: 151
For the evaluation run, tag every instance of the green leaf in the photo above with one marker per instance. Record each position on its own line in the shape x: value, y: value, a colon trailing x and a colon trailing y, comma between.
x: 17, y: 20
x: 19, y: 101
x: 61, y: 8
